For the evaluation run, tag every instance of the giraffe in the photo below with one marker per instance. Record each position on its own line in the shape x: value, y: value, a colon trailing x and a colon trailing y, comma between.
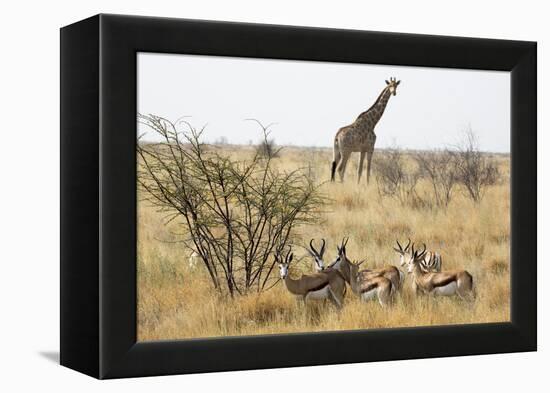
x: 359, y: 136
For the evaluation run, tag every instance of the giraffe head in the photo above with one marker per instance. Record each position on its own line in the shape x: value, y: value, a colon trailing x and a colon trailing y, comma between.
x: 392, y: 85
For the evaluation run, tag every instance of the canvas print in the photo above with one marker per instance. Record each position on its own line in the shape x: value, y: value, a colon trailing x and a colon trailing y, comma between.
x: 279, y: 196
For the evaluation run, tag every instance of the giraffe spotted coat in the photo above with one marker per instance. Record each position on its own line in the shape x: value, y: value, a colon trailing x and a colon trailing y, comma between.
x: 359, y: 136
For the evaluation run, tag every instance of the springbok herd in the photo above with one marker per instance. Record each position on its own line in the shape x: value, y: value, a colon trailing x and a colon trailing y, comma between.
x: 383, y: 284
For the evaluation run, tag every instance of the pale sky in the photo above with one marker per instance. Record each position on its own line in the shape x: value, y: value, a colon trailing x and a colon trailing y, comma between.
x: 309, y: 101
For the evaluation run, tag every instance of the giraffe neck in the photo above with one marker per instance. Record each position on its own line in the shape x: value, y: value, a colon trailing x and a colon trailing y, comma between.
x: 375, y: 112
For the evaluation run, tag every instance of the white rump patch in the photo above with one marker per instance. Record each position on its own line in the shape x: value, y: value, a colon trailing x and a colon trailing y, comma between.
x: 370, y: 295
x: 447, y: 290
x: 318, y: 295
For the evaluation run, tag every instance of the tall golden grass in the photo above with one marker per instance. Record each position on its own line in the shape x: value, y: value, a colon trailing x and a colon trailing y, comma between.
x: 176, y: 301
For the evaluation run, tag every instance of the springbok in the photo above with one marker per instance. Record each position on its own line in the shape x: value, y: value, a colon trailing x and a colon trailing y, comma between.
x: 430, y: 263
x: 343, y: 264
x: 328, y: 284
x: 370, y: 287
x: 449, y: 283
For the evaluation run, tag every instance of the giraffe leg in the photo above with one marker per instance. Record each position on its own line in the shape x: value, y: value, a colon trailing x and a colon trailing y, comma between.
x: 360, y: 167
x: 343, y: 164
x: 335, y: 161
x: 369, y: 158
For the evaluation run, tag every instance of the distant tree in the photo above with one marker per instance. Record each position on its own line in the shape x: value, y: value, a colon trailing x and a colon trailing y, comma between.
x: 222, y: 140
x: 393, y: 178
x: 440, y: 168
x: 475, y: 169
x: 267, y: 147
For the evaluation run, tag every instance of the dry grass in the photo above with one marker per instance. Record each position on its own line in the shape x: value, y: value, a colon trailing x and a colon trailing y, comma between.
x: 175, y: 301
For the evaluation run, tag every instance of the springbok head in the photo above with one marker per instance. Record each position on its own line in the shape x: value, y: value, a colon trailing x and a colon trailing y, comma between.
x: 431, y: 264
x: 283, y: 265
x: 317, y: 255
x: 392, y: 85
x: 341, y: 254
x: 404, y: 254
x: 354, y: 268
x: 416, y: 257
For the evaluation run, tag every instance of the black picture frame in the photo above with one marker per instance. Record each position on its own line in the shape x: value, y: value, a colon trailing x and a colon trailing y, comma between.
x: 98, y: 196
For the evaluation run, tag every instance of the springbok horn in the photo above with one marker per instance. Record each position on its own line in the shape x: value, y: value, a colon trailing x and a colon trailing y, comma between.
x: 322, y: 248
x: 423, y: 251
x: 343, y: 246
x: 408, y: 244
x: 289, y: 256
x: 312, y: 248
x: 399, y: 244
